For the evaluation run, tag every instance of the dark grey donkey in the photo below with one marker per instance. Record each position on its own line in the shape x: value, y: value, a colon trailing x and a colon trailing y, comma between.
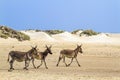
x: 70, y: 54
x: 42, y: 56
x: 21, y: 56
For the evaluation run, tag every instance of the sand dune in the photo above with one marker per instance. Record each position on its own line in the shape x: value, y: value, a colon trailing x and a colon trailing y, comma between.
x: 100, y: 38
x: 99, y: 61
x: 68, y: 37
x: 39, y: 36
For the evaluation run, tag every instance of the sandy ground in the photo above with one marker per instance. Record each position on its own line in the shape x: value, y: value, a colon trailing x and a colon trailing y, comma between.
x: 100, y: 59
x: 98, y: 62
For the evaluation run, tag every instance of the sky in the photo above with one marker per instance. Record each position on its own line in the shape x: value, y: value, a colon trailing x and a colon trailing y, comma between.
x: 98, y: 15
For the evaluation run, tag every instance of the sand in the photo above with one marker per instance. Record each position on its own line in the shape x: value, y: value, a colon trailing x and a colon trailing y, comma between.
x: 100, y: 59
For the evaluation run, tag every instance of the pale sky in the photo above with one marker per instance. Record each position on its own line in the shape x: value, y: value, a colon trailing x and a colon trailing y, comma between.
x: 99, y: 15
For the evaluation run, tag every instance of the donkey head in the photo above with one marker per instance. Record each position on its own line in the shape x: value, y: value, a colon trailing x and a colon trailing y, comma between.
x: 79, y: 48
x: 49, y: 49
x: 34, y: 50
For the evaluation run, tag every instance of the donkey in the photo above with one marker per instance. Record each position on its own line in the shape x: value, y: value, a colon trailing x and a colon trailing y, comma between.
x: 42, y: 56
x: 21, y: 56
x: 70, y: 54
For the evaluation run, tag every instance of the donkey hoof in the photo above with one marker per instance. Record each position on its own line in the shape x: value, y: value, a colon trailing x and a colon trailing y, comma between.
x: 35, y: 67
x: 68, y: 65
x: 25, y: 68
x: 38, y: 67
x: 10, y: 70
x: 79, y: 65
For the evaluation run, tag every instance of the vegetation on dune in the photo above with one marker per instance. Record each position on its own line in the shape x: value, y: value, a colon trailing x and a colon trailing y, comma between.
x: 85, y: 32
x: 81, y: 33
x: 36, y: 30
x: 6, y: 32
x: 75, y: 31
x: 89, y: 32
x: 51, y: 32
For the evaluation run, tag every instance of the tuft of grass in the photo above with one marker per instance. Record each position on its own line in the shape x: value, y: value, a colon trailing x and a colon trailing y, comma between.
x: 85, y: 32
x: 3, y: 36
x: 24, y: 36
x: 89, y: 33
x: 51, y: 32
x: 75, y: 31
x: 6, y: 32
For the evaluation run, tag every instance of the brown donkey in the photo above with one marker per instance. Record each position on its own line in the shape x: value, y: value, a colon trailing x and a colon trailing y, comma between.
x: 70, y: 54
x: 21, y: 56
x: 42, y: 56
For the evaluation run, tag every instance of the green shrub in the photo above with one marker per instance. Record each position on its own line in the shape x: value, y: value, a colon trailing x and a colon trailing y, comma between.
x: 37, y: 30
x: 75, y: 31
x: 89, y: 32
x: 24, y: 36
x: 4, y: 36
x: 6, y: 32
x: 51, y: 32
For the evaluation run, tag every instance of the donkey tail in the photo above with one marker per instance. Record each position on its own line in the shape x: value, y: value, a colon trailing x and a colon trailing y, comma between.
x: 8, y: 57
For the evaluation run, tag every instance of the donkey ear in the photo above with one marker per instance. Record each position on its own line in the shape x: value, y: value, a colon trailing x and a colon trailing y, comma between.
x: 50, y: 46
x: 77, y: 45
x: 36, y: 46
x: 31, y: 46
x: 46, y: 46
x: 80, y: 45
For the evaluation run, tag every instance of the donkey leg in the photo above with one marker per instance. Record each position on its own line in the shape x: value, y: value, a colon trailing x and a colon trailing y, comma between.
x: 45, y: 64
x: 77, y: 62
x: 26, y: 64
x: 33, y: 63
x: 11, y: 65
x: 59, y: 61
x: 70, y: 62
x: 40, y: 64
x: 64, y: 61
